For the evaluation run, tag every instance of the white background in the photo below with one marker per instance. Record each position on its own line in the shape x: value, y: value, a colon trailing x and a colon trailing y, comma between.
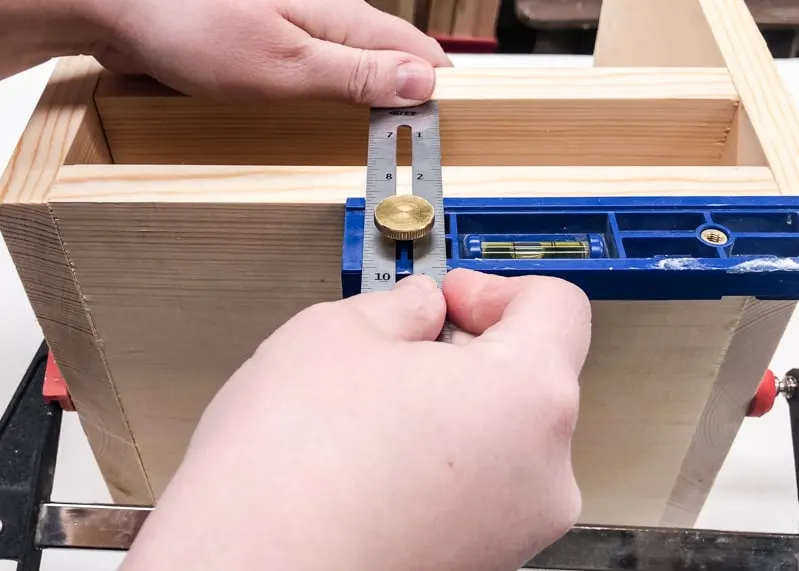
x: 755, y: 490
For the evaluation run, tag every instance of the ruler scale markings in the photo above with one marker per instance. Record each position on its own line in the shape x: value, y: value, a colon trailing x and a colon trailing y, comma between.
x: 379, y: 255
x: 430, y: 252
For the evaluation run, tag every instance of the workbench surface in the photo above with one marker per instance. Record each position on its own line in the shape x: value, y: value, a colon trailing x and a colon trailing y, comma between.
x: 755, y: 491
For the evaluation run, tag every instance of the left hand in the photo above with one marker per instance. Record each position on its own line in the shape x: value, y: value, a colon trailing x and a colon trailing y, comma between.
x: 250, y: 50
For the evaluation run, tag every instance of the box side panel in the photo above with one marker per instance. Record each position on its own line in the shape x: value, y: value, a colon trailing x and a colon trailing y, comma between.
x: 65, y: 129
x: 182, y: 294
x: 488, y: 118
x: 166, y: 276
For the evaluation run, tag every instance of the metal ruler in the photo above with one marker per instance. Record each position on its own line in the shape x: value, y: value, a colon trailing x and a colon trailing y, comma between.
x: 430, y: 252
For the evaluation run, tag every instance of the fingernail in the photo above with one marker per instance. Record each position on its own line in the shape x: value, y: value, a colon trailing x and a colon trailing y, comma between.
x: 415, y: 81
x: 423, y: 283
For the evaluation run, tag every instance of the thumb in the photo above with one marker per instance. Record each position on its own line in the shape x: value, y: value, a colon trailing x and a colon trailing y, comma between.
x: 413, y: 311
x: 377, y: 78
x: 536, y: 318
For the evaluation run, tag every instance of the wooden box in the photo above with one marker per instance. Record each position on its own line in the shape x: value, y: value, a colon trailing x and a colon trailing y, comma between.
x: 161, y: 238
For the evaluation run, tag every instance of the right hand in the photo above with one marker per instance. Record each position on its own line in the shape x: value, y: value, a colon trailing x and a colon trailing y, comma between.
x: 352, y: 438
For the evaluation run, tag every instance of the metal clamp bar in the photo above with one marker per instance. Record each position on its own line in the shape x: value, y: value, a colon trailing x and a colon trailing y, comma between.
x: 661, y: 549
x: 89, y: 526
x: 584, y: 548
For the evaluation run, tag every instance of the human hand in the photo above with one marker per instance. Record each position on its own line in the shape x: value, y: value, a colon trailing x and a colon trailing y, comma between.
x: 255, y: 49
x: 353, y: 439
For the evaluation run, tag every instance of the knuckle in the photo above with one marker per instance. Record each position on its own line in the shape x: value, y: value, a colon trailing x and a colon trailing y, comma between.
x: 363, y: 80
x: 419, y: 305
x: 295, y: 52
x: 564, y: 407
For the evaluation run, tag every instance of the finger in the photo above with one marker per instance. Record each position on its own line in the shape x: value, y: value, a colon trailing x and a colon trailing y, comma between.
x: 527, y: 316
x: 413, y: 311
x: 475, y: 301
x: 365, y: 77
x: 369, y: 28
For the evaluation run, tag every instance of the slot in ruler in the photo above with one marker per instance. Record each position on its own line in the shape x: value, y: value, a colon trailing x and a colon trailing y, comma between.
x: 430, y: 252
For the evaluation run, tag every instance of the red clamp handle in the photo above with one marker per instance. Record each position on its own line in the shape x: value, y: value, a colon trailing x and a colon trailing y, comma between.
x: 765, y: 396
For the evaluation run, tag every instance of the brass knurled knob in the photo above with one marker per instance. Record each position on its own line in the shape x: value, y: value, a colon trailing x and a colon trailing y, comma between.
x: 404, y: 217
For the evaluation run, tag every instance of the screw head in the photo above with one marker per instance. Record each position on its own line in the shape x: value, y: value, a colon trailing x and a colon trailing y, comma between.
x: 404, y: 217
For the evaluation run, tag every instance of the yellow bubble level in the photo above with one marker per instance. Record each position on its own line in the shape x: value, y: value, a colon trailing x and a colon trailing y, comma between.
x: 537, y: 250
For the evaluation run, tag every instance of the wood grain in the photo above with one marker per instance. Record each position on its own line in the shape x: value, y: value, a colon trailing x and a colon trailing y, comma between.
x: 182, y: 294
x: 186, y: 184
x: 488, y: 118
x: 64, y: 128
x: 761, y: 327
x: 32, y: 237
